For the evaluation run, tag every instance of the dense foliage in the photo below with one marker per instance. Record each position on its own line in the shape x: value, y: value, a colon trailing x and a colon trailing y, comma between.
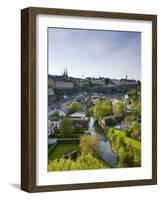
x: 125, y: 136
x: 119, y: 107
x: 129, y: 119
x: 84, y: 161
x: 134, y: 131
x: 66, y: 127
x: 127, y: 149
x: 102, y: 109
x: 74, y: 107
x: 55, y: 114
x: 88, y: 144
x: 134, y: 93
x: 137, y: 110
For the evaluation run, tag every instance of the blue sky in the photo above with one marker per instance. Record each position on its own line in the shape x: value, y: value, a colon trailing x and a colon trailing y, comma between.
x: 94, y: 53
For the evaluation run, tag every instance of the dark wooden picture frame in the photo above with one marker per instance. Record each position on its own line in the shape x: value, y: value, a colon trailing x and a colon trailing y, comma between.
x: 28, y: 98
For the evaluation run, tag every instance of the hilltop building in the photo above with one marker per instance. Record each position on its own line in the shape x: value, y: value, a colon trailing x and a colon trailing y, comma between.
x: 65, y: 82
x: 62, y: 82
x: 65, y: 73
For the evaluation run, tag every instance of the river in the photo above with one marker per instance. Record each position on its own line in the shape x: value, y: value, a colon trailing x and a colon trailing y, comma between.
x: 104, y: 146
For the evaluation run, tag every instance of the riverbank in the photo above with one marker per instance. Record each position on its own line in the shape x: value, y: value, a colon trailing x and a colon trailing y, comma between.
x: 127, y: 149
x: 103, y: 145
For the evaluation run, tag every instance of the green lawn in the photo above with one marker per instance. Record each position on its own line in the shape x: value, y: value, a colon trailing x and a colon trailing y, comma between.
x: 61, y: 149
x: 135, y: 143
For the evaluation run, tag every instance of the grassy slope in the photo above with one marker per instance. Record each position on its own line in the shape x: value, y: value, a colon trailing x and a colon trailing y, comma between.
x: 136, y: 144
x: 62, y: 149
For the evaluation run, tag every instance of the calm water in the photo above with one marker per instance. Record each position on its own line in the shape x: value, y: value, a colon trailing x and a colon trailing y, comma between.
x: 104, y: 146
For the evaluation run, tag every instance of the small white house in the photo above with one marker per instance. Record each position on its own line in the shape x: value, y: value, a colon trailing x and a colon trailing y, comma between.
x: 126, y: 96
x: 54, y: 123
x: 115, y: 101
x: 80, y: 115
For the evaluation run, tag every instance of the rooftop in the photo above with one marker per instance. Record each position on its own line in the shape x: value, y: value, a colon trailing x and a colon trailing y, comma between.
x: 78, y: 115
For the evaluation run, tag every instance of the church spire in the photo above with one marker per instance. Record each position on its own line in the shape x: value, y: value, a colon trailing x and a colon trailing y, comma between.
x: 66, y: 73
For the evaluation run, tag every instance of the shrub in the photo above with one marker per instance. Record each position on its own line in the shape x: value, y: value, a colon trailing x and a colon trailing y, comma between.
x: 55, y: 114
x: 102, y: 109
x: 66, y: 127
x: 88, y: 144
x: 74, y: 107
x: 81, y: 163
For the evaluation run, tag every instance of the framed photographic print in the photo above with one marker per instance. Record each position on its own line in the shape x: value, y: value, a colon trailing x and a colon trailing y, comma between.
x: 88, y: 99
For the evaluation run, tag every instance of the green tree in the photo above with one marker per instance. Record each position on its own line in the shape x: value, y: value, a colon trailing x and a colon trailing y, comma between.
x: 111, y: 135
x: 136, y: 131
x: 119, y: 142
x: 133, y: 158
x: 130, y: 155
x: 128, y: 132
x: 55, y: 114
x: 74, y: 107
x: 122, y: 157
x: 87, y: 86
x: 137, y: 158
x: 88, y: 144
x: 66, y: 127
x: 102, y: 109
x: 137, y: 110
x: 129, y: 119
x: 81, y: 163
x: 119, y: 107
x: 134, y: 93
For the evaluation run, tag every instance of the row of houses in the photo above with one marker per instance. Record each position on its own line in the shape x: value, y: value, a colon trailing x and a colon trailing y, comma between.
x: 65, y: 82
x: 107, y: 82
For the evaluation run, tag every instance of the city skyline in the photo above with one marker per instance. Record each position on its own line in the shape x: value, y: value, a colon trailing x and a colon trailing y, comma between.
x: 84, y: 77
x: 94, y: 53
